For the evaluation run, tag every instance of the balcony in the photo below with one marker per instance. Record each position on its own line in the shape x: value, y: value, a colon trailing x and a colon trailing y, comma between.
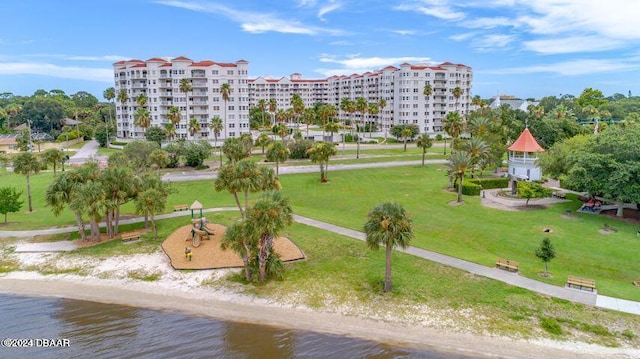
x: 523, y: 160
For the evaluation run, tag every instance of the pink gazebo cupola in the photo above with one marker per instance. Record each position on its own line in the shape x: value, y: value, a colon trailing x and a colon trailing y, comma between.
x: 523, y: 158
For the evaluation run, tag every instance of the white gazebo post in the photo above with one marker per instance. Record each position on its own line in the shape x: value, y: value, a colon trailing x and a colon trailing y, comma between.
x: 523, y: 159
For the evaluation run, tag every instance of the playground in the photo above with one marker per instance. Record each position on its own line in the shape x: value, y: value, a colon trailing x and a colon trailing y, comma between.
x: 198, y: 245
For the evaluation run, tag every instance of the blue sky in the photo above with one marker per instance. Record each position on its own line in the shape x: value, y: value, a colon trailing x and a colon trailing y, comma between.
x: 525, y: 48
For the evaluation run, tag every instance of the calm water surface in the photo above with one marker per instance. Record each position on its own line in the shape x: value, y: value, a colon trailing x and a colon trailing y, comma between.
x: 98, y: 330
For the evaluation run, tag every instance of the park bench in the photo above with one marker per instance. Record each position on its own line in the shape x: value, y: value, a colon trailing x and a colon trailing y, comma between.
x: 130, y: 238
x: 560, y: 195
x: 511, y: 266
x: 581, y: 283
x: 180, y: 207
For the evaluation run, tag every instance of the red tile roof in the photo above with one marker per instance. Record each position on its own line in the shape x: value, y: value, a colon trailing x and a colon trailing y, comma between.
x: 418, y: 67
x: 168, y: 64
x: 203, y: 63
x: 526, y: 143
x: 181, y: 58
x: 136, y: 60
x: 390, y: 68
x: 122, y: 62
x: 139, y: 65
x: 156, y: 59
x: 446, y: 64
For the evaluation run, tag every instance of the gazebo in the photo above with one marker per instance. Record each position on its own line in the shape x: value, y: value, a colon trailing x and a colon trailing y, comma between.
x: 523, y: 159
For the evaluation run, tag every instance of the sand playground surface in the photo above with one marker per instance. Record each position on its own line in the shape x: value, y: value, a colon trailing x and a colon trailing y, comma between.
x: 209, y: 254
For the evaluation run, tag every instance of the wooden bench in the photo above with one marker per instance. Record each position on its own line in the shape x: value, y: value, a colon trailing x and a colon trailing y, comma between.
x: 180, y: 207
x: 511, y: 266
x: 581, y: 283
x: 130, y: 238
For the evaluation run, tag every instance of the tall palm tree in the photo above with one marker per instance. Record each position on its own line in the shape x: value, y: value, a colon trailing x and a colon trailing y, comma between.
x: 457, y: 92
x: 26, y: 163
x: 453, y: 126
x: 278, y: 152
x: 109, y: 94
x: 427, y: 90
x: 185, y: 87
x: 239, y: 239
x: 388, y: 224
x: 216, y: 126
x: 174, y: 116
x: 280, y: 116
x: 406, y: 134
x: 479, y: 126
x: 478, y: 149
x: 194, y: 127
x: 170, y: 130
x: 332, y: 127
x: 142, y: 118
x: 325, y: 112
x: 263, y: 140
x: 12, y: 110
x: 382, y: 103
x: 225, y: 92
x: 320, y: 153
x: 424, y: 142
x: 268, y: 217
x: 142, y: 100
x: 459, y: 163
x: 308, y: 116
x: 273, y: 106
x: 262, y: 106
x: 59, y: 194
x: 297, y: 104
x: 123, y: 98
x: 53, y: 156
x: 373, y: 109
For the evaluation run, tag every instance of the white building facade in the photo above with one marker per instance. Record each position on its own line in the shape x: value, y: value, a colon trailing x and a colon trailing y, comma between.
x: 159, y: 80
x: 401, y: 87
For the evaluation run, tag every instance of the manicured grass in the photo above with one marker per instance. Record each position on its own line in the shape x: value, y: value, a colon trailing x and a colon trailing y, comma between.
x: 78, y: 145
x: 342, y: 273
x: 469, y: 231
x: 107, y: 151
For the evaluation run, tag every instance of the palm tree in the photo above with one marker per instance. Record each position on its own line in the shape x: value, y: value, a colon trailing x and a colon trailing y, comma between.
x: 424, y: 142
x: 273, y: 106
x: 457, y: 92
x: 53, y: 156
x: 453, y: 126
x: 12, y: 110
x: 308, y: 116
x: 326, y: 112
x: 332, y: 127
x: 373, y: 109
x: 142, y: 118
x: 194, y: 127
x: 478, y: 126
x: 185, y: 86
x: 389, y: 225
x: 270, y: 215
x: 280, y: 116
x: 427, y: 90
x: 458, y: 164
x: 152, y: 199
x: 59, y: 194
x: 26, y: 163
x: 170, y: 130
x: 320, y: 154
x: 119, y: 185
x: 382, y: 103
x: 239, y: 239
x: 297, y: 104
x: 263, y: 141
x: 281, y: 130
x: 262, y: 106
x: 142, y: 100
x: 174, y: 115
x: 278, y: 152
x: 123, y: 98
x: 216, y: 127
x: 109, y: 94
x: 225, y: 92
x: 406, y: 133
x: 361, y: 106
x: 478, y: 149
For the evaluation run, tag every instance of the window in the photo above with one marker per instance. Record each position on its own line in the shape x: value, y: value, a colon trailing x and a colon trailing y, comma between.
x: 214, y: 72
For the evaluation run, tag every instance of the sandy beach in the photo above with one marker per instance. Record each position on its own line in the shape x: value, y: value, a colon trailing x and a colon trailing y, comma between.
x: 110, y: 281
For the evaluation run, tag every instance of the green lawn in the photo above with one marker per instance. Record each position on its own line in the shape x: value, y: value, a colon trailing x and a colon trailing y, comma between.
x: 470, y: 231
x: 341, y: 272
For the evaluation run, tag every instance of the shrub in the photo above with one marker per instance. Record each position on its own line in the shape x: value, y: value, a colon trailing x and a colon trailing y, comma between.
x: 470, y: 189
x: 489, y: 183
x: 350, y: 138
x: 551, y: 325
x: 298, y: 149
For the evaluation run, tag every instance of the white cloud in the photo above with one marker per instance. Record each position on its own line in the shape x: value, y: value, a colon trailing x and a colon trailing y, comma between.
x: 462, y: 37
x: 253, y: 22
x: 489, y: 22
x: 571, y: 68
x: 325, y: 9
x: 404, y: 32
x: 67, y: 72
x: 436, y: 8
x: 356, y: 64
x: 572, y: 44
x: 493, y: 42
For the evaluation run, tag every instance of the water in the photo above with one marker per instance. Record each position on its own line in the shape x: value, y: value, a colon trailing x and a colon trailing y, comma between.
x: 113, y: 331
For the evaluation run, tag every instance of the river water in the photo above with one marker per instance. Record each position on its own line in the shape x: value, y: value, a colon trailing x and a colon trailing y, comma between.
x: 96, y: 330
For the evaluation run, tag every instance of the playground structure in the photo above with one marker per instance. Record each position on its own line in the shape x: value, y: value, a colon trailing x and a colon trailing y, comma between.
x: 200, y: 226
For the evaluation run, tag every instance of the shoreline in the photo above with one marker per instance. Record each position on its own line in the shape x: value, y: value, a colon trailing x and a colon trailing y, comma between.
x: 230, y: 306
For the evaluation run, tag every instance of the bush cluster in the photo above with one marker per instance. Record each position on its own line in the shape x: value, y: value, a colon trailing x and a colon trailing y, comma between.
x: 489, y: 183
x: 299, y: 149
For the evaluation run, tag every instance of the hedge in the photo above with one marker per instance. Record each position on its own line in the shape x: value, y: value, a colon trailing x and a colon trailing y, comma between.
x: 469, y: 189
x: 490, y: 183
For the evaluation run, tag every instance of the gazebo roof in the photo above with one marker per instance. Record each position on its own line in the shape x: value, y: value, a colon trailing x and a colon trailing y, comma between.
x: 196, y: 205
x: 526, y: 143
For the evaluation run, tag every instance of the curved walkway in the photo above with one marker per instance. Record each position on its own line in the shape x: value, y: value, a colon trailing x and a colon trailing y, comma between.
x: 514, y: 279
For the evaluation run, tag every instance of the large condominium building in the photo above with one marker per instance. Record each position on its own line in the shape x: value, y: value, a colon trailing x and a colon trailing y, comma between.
x: 159, y: 80
x: 401, y: 88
